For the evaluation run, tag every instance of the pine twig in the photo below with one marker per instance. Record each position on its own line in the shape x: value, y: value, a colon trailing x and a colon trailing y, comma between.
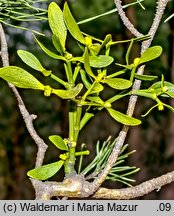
x: 137, y: 191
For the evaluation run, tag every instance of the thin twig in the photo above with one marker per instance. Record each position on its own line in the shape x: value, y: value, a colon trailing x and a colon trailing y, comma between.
x: 125, y: 19
x: 28, y: 118
x: 137, y: 191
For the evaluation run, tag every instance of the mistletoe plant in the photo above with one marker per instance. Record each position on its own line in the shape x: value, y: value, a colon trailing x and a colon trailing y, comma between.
x: 86, y: 78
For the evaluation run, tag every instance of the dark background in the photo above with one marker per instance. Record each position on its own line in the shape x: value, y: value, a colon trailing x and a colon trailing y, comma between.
x: 153, y: 140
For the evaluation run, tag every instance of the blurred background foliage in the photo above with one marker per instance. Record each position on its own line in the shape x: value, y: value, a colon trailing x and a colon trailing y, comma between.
x: 153, y: 140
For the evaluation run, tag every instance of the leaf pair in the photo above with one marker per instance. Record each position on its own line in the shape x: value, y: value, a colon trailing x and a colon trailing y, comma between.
x: 59, y: 22
x: 47, y: 171
x: 118, y: 116
x: 116, y: 83
x: 22, y: 79
x: 149, y: 54
x: 165, y: 90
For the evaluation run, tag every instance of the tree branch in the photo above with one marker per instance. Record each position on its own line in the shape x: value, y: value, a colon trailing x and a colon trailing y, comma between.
x: 125, y: 19
x: 77, y: 187
x: 137, y: 191
x: 28, y: 118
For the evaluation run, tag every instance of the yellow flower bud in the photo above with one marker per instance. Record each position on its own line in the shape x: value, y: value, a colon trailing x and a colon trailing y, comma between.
x: 68, y: 56
x: 107, y: 105
x: 160, y: 107
x: 63, y: 156
x: 136, y: 62
x: 88, y: 41
x: 47, y: 90
x: 164, y: 88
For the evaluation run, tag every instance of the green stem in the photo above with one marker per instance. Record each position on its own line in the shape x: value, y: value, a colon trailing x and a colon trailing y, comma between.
x: 117, y: 73
x: 69, y: 164
x: 144, y: 93
x: 117, y: 97
x: 71, y: 121
x: 77, y: 123
x: 133, y: 73
x: 59, y: 80
x: 74, y: 128
x: 88, y: 91
x: 87, y: 116
x: 70, y: 73
x: 76, y: 72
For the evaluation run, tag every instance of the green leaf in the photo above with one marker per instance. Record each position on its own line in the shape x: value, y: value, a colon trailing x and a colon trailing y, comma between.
x: 122, y: 118
x: 56, y: 22
x: 58, y: 142
x: 87, y: 116
x: 87, y: 64
x: 20, y: 78
x: 30, y: 60
x: 100, y: 61
x: 57, y: 44
x: 72, y: 25
x: 84, y: 78
x: 157, y: 88
x: 70, y: 93
x: 150, y: 54
x: 145, y: 77
x: 97, y: 88
x: 48, y: 52
x: 46, y: 171
x: 118, y: 83
x: 107, y: 39
x: 95, y: 99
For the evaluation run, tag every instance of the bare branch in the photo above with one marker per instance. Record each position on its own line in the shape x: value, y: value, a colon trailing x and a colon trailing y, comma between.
x: 161, y: 5
x: 125, y: 19
x: 28, y: 118
x: 77, y: 187
x: 137, y: 191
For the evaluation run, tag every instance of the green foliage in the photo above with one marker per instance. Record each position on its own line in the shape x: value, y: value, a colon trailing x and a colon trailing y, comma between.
x: 150, y: 54
x: 118, y: 172
x: 23, y: 11
x: 70, y: 93
x: 86, y: 76
x: 124, y: 119
x: 20, y: 78
x: 56, y: 22
x: 46, y: 171
x: 30, y: 60
x: 100, y: 61
x: 58, y: 142
x: 118, y: 83
x: 72, y: 25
